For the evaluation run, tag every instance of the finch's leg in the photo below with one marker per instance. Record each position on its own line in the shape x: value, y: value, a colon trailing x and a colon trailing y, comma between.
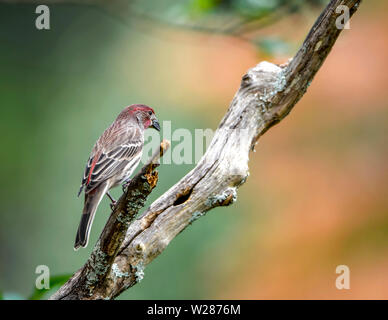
x: 114, y: 202
x: 126, y: 184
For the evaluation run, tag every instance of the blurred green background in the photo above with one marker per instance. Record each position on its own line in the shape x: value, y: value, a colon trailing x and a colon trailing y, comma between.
x: 317, y: 192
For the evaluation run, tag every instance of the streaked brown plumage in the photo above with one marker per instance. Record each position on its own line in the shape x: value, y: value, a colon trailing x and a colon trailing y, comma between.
x: 113, y: 158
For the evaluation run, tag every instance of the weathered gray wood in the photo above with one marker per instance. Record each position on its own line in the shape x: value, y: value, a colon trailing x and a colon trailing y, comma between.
x: 267, y: 94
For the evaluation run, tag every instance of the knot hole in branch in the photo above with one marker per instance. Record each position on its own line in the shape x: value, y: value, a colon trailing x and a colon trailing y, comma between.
x: 183, y: 196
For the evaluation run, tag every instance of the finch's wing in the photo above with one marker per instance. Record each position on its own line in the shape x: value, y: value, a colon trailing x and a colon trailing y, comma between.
x: 116, y: 151
x: 86, y: 174
x: 124, y: 157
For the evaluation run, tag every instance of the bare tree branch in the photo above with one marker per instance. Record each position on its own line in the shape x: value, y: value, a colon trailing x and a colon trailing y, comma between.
x: 267, y: 94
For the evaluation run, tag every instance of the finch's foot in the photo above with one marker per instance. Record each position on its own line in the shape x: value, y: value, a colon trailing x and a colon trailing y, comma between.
x: 113, y: 205
x: 113, y: 201
x: 126, y: 184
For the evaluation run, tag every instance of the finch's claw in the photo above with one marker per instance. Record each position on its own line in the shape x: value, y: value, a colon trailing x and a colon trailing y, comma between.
x: 113, y: 205
x: 126, y: 184
x: 113, y: 201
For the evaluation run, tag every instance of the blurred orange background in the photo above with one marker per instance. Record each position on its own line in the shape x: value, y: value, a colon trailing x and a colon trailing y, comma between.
x: 316, y: 196
x: 321, y: 175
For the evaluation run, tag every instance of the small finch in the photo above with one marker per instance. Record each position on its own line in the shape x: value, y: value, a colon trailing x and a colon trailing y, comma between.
x: 113, y: 158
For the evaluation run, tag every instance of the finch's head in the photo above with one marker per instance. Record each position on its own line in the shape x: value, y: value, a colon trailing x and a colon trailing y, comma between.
x: 142, y: 113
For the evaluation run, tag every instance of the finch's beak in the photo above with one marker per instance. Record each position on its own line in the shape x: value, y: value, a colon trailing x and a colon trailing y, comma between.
x: 155, y: 124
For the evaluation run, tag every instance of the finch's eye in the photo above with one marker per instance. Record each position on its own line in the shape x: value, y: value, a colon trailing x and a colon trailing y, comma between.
x: 150, y: 113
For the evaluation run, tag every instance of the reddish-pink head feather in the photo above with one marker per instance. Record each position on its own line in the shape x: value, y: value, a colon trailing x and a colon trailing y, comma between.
x: 129, y: 112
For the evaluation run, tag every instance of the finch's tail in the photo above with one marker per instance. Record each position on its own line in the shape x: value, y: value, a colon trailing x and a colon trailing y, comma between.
x: 92, y: 200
